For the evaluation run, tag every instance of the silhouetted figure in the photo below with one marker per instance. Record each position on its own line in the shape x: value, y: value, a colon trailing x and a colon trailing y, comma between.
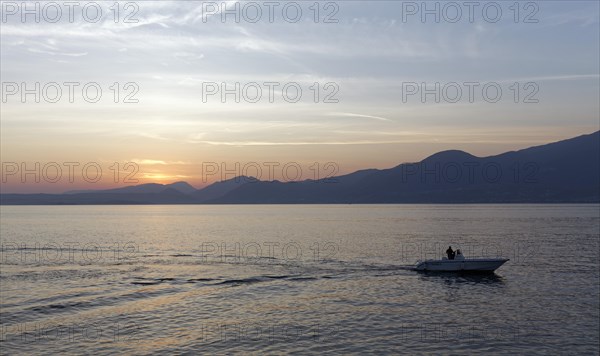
x: 450, y: 253
x: 459, y: 255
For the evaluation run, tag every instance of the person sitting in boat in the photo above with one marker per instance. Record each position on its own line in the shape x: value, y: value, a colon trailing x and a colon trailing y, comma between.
x: 459, y: 255
x: 450, y: 253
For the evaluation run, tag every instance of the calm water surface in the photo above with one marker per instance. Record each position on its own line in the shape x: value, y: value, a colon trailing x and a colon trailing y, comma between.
x: 297, y: 279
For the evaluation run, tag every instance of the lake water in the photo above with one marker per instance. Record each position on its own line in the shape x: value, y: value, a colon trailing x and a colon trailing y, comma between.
x: 297, y: 279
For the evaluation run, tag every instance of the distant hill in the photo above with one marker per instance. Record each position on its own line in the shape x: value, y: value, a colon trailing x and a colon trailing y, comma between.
x: 561, y: 172
x: 219, y: 189
x: 149, y: 188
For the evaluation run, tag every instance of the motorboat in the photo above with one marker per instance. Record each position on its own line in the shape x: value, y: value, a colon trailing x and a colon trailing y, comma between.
x: 461, y: 264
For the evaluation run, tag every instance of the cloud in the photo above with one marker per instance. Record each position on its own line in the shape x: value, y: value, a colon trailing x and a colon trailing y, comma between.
x: 348, y: 114
x: 298, y: 143
x: 81, y: 54
x: 157, y: 162
x: 558, y: 77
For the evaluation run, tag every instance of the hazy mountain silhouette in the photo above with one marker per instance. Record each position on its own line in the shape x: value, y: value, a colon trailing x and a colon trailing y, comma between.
x: 152, y: 188
x: 219, y: 189
x: 561, y: 172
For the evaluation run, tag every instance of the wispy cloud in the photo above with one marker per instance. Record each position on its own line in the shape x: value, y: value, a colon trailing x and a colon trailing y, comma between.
x: 297, y: 143
x: 157, y: 162
x: 557, y: 77
x: 348, y: 114
x: 34, y: 50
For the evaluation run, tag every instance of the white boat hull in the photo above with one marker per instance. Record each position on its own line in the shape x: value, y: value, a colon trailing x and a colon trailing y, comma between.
x: 466, y: 265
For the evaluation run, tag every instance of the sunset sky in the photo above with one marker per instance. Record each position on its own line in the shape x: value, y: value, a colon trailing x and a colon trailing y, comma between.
x: 370, y: 54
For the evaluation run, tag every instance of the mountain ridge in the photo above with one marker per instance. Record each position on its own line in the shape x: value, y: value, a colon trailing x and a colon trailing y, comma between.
x: 562, y: 171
